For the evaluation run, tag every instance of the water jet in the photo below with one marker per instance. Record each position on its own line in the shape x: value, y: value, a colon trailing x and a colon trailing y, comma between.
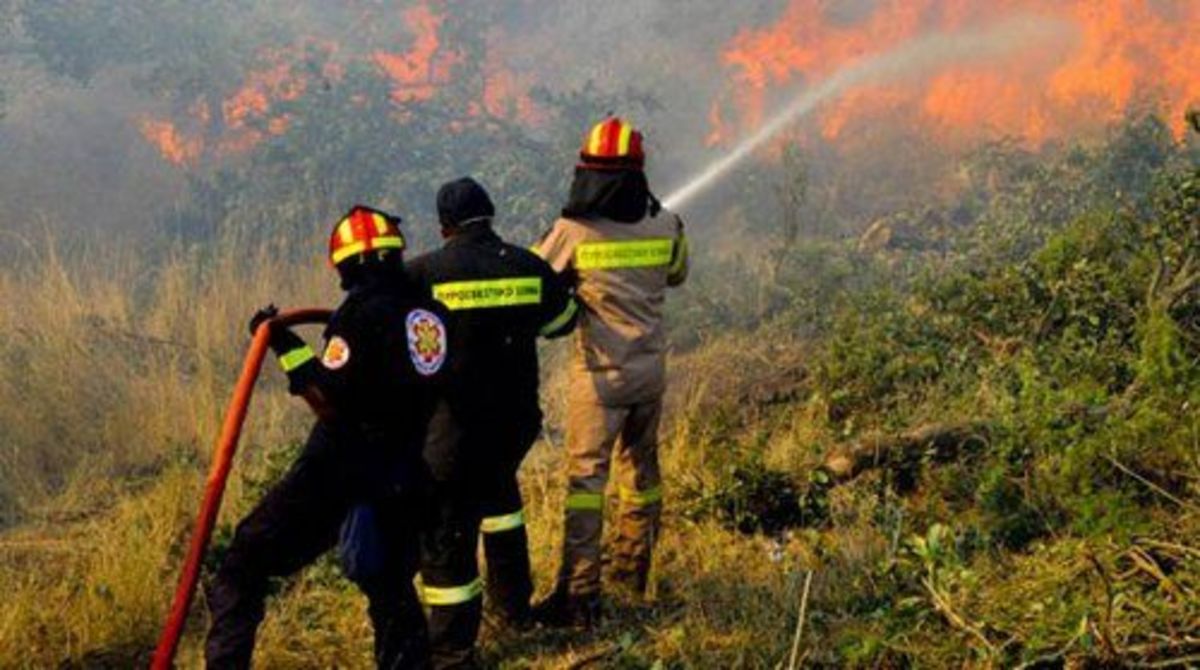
x: 914, y: 57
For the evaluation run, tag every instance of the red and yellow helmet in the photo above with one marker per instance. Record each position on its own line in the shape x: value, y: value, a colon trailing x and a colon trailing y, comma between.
x: 612, y: 144
x: 364, y: 229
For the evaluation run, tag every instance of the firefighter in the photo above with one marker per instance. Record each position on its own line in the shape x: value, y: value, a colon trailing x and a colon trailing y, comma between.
x: 500, y: 299
x: 624, y: 250
x: 373, y: 390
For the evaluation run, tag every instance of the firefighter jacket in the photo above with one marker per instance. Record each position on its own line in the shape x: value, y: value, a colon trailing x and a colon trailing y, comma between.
x: 500, y: 298
x: 622, y: 272
x: 382, y: 368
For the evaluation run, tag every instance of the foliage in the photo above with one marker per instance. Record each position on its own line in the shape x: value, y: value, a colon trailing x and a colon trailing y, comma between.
x: 1059, y: 313
x: 1071, y: 331
x: 754, y: 499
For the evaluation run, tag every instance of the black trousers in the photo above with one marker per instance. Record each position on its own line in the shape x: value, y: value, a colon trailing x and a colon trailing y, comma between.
x: 296, y: 522
x: 475, y: 473
x: 505, y: 543
x: 450, y: 578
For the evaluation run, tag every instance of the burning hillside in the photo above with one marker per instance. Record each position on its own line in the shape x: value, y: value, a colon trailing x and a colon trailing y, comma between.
x: 1129, y: 54
x: 405, y: 46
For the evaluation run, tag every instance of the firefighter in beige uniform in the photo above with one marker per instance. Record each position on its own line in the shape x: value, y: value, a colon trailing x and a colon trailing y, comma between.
x: 624, y: 251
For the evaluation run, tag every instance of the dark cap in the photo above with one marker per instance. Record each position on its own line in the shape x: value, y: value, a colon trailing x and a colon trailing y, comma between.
x: 463, y: 202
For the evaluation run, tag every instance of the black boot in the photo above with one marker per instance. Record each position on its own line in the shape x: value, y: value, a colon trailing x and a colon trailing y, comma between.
x: 563, y: 610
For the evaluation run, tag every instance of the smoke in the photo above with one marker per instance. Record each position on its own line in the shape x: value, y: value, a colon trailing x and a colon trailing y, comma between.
x: 908, y: 60
x: 136, y: 101
x: 106, y: 123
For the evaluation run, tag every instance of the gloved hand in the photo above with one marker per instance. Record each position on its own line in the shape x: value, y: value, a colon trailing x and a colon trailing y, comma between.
x: 265, y: 314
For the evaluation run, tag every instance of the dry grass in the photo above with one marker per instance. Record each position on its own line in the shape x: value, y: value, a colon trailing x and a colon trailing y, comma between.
x: 115, y: 373
x: 117, y: 365
x: 114, y: 362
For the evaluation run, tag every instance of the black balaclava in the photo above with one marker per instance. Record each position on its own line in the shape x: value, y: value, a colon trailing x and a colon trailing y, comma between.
x: 619, y: 194
x: 373, y: 269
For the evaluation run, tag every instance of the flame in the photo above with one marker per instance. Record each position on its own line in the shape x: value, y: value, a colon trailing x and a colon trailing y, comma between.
x: 175, y: 147
x: 1129, y: 53
x: 250, y: 114
x: 275, y: 83
x: 184, y: 142
x: 263, y: 88
x: 507, y: 92
x: 417, y: 73
x: 720, y: 128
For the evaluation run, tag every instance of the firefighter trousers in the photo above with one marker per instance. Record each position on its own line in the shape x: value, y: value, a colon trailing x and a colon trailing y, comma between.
x: 296, y: 522
x: 477, y: 492
x: 625, y: 438
x: 505, y: 542
x: 450, y: 585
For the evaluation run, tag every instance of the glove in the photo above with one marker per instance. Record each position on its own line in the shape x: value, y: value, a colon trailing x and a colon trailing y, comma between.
x: 265, y: 314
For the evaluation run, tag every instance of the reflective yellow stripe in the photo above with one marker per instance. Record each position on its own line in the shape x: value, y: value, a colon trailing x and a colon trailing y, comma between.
x: 581, y: 501
x: 346, y: 232
x: 387, y: 243
x: 630, y: 254
x: 596, y: 139
x: 623, y: 141
x: 486, y: 293
x: 359, y: 247
x: 499, y: 524
x: 380, y: 223
x: 562, y: 319
x: 296, y: 357
x: 681, y: 252
x: 642, y: 498
x: 451, y: 595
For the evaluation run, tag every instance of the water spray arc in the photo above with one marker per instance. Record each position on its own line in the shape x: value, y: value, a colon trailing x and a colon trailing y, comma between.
x: 909, y: 59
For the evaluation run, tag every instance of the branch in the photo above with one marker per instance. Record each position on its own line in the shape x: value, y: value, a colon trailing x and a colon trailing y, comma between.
x: 945, y: 441
x: 1151, y: 485
x: 942, y: 604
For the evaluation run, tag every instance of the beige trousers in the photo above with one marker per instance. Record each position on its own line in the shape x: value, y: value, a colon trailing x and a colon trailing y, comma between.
x: 597, y: 435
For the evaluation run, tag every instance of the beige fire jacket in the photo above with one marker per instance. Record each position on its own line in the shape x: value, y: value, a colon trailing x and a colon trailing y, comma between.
x: 623, y: 272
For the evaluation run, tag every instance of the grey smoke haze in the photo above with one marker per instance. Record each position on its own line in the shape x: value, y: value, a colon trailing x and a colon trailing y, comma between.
x: 910, y: 59
x: 74, y: 156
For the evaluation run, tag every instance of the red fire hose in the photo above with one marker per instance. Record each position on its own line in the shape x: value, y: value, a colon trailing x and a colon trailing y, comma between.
x: 231, y: 430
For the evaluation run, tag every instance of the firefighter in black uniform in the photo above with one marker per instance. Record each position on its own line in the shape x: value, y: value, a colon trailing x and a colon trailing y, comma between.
x: 373, y: 389
x: 500, y: 298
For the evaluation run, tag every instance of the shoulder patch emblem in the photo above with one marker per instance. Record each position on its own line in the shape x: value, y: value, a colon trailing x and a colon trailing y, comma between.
x: 337, y: 353
x: 426, y: 341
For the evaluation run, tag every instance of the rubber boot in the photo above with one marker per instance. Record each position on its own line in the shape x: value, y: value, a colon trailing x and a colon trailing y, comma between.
x: 563, y: 610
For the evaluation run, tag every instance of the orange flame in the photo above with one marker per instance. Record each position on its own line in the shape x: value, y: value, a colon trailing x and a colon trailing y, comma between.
x: 250, y: 114
x: 506, y: 92
x: 415, y: 74
x: 262, y: 88
x: 277, y: 82
x: 175, y: 147
x: 1130, y: 53
x: 184, y: 142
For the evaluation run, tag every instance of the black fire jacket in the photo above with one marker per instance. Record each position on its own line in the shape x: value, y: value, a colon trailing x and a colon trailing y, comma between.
x: 382, y: 369
x: 500, y: 298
